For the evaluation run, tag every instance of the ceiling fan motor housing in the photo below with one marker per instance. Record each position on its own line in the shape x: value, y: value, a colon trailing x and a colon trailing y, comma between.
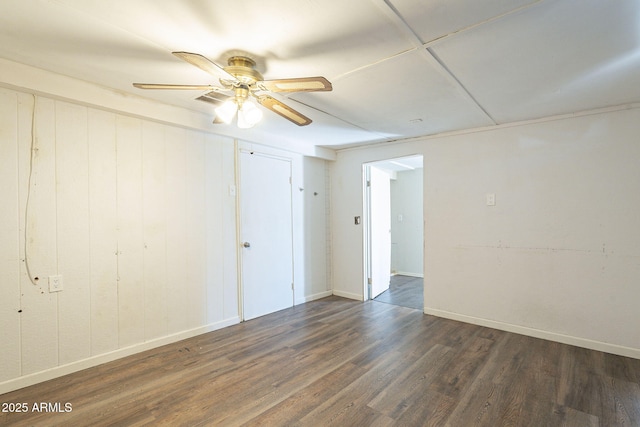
x: 243, y: 69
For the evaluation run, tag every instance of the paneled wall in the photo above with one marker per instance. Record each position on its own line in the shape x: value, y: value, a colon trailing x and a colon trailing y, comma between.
x: 135, y: 215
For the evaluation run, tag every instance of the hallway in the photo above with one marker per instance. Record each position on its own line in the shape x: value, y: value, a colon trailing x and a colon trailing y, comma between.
x: 405, y: 291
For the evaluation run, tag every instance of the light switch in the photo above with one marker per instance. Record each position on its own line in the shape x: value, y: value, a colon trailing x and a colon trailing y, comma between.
x: 491, y: 199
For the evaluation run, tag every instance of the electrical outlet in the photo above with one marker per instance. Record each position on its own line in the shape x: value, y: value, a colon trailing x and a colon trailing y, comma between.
x: 55, y: 283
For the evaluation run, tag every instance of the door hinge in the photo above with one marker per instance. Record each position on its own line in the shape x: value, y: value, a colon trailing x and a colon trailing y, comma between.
x: 370, y: 281
x: 368, y: 183
x: 292, y: 286
x: 290, y: 182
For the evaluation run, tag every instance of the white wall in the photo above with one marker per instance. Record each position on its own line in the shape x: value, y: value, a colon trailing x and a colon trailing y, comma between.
x: 133, y: 214
x: 315, y: 199
x: 407, y: 253
x: 557, y: 257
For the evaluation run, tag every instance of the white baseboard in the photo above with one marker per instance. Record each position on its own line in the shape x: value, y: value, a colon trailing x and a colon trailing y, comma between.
x: 538, y: 333
x: 348, y: 295
x: 313, y: 297
x: 58, y: 371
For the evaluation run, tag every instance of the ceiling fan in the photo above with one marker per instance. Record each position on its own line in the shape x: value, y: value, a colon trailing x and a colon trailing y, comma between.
x: 240, y: 81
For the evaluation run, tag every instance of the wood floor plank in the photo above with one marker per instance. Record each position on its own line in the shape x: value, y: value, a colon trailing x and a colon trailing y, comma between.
x: 463, y: 368
x: 479, y: 405
x: 411, y: 391
x: 569, y: 417
x: 427, y: 409
x: 361, y: 391
x: 341, y: 362
x: 302, y: 402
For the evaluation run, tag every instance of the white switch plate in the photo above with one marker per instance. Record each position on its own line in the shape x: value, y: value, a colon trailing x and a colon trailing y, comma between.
x: 491, y: 199
x: 55, y: 283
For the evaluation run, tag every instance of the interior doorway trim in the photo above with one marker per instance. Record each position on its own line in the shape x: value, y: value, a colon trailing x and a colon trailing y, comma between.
x: 394, y: 165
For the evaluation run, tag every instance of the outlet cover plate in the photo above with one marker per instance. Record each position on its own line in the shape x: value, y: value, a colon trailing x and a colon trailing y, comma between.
x: 55, y: 283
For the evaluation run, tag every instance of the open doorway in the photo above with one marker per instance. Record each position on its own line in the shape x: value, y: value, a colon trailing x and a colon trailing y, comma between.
x: 393, y: 223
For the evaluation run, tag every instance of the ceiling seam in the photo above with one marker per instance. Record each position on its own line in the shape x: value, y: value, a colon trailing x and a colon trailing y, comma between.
x: 460, y: 84
x: 437, y: 40
x: 393, y: 13
x: 431, y: 57
x: 386, y: 138
x: 380, y: 61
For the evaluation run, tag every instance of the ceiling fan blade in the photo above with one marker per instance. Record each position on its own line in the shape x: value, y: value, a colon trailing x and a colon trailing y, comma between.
x: 303, y: 84
x: 283, y: 109
x: 205, y: 65
x: 170, y: 86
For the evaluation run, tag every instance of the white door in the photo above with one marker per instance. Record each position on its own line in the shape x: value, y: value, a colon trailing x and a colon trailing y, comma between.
x: 266, y: 234
x: 380, y: 232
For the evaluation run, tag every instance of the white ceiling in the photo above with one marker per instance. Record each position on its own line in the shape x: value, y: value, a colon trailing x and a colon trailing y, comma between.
x: 399, y: 68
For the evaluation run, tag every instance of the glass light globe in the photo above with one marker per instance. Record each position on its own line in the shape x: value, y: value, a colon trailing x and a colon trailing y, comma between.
x: 226, y: 111
x: 248, y: 115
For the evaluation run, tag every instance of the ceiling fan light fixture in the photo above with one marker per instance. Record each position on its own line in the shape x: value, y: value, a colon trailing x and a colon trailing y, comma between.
x: 248, y: 115
x: 227, y: 111
x: 242, y: 79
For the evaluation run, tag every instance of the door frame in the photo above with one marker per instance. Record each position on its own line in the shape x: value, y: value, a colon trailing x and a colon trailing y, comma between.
x: 366, y: 220
x: 366, y: 209
x: 369, y: 239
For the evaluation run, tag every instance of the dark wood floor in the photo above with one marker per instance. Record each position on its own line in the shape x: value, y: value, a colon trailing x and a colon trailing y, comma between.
x: 347, y: 363
x: 405, y: 291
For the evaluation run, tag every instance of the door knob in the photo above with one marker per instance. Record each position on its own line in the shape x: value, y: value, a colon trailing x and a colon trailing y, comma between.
x: 246, y: 244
